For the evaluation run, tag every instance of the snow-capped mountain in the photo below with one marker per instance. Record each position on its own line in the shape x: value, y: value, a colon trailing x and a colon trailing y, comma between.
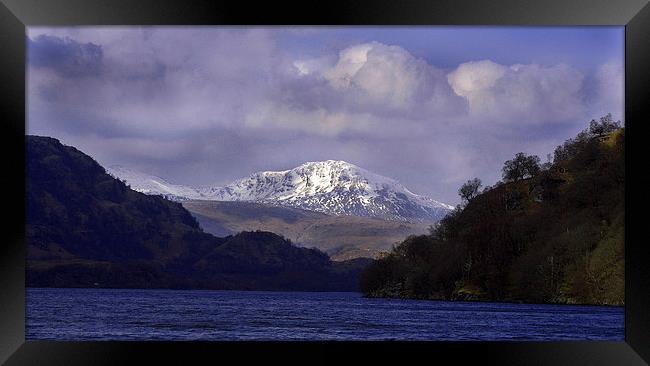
x: 332, y: 187
x: 151, y: 184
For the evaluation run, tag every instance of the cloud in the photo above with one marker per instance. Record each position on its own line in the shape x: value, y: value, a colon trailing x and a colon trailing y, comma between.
x: 204, y: 105
x: 65, y: 56
x: 521, y: 94
x: 317, y: 121
x: 154, y: 83
x: 351, y: 60
x: 379, y: 78
x: 369, y: 87
x: 314, y: 66
x: 610, y: 89
x: 473, y: 77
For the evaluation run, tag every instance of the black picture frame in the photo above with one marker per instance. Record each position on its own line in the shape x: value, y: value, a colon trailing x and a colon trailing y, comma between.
x: 15, y: 15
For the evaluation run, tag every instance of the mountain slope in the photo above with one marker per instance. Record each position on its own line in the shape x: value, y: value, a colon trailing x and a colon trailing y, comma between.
x: 331, y: 187
x: 86, y: 228
x: 334, y: 187
x: 153, y: 185
x: 557, y: 236
x: 74, y: 206
x: 341, y: 237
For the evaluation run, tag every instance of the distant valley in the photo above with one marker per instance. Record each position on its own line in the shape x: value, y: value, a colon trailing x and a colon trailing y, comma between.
x: 342, y: 237
x: 334, y: 206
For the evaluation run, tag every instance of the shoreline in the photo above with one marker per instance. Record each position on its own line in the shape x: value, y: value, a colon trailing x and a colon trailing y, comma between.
x: 494, y: 301
x: 334, y: 292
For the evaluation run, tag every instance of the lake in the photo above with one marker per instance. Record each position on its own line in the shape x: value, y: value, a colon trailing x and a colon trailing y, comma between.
x: 115, y: 314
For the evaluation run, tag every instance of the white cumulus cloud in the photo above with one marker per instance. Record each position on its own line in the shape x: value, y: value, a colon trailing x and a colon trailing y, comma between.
x: 519, y: 93
x: 379, y: 78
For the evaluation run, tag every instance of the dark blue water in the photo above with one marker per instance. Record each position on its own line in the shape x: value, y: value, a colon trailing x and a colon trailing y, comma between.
x: 103, y: 314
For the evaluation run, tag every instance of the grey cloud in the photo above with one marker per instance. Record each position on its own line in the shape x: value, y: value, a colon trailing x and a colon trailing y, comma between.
x: 65, y: 56
x: 610, y: 89
x: 210, y: 105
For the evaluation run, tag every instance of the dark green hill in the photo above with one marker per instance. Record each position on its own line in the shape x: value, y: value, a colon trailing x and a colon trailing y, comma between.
x: 549, y: 233
x: 85, y: 228
x: 75, y: 209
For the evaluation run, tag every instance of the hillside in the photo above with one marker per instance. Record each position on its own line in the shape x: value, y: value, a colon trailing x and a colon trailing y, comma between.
x: 86, y: 228
x: 552, y: 233
x: 341, y: 237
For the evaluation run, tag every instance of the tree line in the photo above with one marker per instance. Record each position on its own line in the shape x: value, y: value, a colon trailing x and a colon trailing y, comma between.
x: 549, y: 232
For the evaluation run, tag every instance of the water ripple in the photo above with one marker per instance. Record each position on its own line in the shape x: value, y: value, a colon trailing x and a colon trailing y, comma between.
x: 92, y: 314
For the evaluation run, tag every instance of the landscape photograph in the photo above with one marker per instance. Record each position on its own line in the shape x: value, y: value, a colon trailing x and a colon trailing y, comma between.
x: 325, y: 183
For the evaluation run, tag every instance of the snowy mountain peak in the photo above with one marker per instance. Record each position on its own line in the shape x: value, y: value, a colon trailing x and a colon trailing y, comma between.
x: 333, y: 187
x: 151, y: 184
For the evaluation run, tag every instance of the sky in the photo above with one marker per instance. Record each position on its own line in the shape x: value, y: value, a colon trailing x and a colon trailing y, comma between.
x: 431, y: 107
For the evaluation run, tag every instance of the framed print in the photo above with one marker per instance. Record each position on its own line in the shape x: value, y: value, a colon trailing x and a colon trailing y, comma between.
x: 217, y: 179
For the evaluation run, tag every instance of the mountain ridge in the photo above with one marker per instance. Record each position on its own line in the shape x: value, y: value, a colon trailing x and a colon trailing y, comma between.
x: 84, y: 228
x: 333, y: 187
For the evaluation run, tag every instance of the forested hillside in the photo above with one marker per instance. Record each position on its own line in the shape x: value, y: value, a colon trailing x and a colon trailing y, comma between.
x: 88, y: 229
x: 549, y: 232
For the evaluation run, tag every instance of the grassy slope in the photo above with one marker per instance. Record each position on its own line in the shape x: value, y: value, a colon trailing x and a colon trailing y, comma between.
x: 342, y: 237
